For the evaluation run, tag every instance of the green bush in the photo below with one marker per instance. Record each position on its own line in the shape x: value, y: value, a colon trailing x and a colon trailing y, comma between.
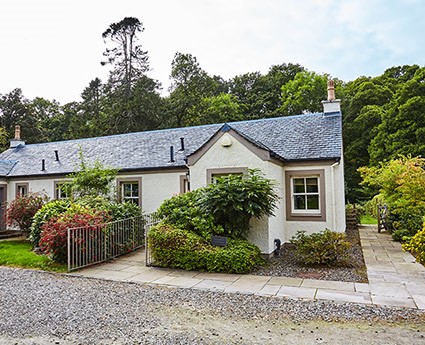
x: 401, y: 235
x: 234, y: 199
x: 416, y: 245
x: 401, y: 185
x: 117, y: 210
x: 51, y: 209
x: 175, y: 248
x: 326, y: 248
x: 183, y: 212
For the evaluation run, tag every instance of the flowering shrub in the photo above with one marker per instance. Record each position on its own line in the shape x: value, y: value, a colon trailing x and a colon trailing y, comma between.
x: 53, y: 239
x: 21, y: 211
x: 52, y: 209
x: 416, y: 245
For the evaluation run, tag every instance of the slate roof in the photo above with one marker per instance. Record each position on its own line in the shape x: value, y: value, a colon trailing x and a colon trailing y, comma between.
x: 291, y: 138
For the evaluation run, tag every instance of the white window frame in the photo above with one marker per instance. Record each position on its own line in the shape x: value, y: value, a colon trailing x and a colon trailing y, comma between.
x: 305, y: 194
x: 125, y: 181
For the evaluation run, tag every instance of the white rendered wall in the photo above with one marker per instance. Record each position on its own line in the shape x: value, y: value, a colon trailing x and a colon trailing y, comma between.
x: 156, y: 187
x: 236, y: 156
x: 335, y: 205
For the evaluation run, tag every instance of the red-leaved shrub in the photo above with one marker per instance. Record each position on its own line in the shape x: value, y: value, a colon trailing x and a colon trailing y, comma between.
x: 21, y: 211
x: 54, y: 233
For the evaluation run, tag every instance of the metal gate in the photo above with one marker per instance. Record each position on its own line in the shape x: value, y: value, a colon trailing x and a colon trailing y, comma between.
x: 90, y: 245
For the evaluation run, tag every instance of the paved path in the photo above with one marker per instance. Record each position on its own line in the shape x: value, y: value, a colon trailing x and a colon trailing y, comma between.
x: 395, y: 279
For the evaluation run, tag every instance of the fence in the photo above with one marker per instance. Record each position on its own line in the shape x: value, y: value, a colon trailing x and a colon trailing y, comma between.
x: 90, y: 245
x: 151, y: 220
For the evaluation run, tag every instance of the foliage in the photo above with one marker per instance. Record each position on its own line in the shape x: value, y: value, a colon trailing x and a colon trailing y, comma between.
x: 416, y: 245
x: 175, y: 248
x: 304, y: 93
x: 123, y: 210
x: 53, y: 239
x: 183, y: 212
x: 92, y: 180
x: 127, y: 57
x: 52, y: 209
x: 236, y: 198
x: 324, y: 248
x: 401, y: 184
x: 22, y: 209
x: 20, y: 254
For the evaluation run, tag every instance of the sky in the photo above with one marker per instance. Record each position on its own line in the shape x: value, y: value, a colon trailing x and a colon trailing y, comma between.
x: 53, y: 49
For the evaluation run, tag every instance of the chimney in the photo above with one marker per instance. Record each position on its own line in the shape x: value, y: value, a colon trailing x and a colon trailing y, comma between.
x: 331, y: 105
x: 17, y: 141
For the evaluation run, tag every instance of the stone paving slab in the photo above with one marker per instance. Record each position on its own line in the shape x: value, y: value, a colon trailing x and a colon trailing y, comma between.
x: 339, y: 296
x: 297, y: 292
x: 329, y: 285
x: 212, y: 285
x: 287, y: 281
x: 248, y: 284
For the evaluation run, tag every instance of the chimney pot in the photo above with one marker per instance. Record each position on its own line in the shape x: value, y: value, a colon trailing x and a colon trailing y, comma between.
x: 331, y: 90
x: 17, y: 132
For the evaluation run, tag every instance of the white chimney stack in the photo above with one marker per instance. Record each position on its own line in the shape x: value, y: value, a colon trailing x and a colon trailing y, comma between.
x: 331, y: 105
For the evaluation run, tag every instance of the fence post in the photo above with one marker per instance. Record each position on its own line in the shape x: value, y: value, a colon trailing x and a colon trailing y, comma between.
x: 69, y: 249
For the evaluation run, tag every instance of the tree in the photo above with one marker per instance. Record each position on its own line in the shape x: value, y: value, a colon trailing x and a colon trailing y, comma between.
x: 126, y: 56
x: 304, y: 93
x: 190, y: 83
x: 216, y: 109
x: 402, y: 130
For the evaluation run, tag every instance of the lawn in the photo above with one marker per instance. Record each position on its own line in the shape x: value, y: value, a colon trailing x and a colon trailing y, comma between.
x: 368, y: 220
x: 19, y: 254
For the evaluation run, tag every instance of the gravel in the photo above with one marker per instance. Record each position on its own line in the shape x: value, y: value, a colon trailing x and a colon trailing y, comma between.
x: 286, y: 265
x: 46, y: 308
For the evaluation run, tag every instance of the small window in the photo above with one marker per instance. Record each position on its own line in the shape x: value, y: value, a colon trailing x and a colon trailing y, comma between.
x: 22, y: 189
x: 62, y: 190
x: 184, y: 184
x: 212, y: 174
x: 305, y: 194
x: 129, y: 191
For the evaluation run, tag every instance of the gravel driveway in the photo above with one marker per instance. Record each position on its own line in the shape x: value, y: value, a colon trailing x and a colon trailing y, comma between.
x: 44, y: 308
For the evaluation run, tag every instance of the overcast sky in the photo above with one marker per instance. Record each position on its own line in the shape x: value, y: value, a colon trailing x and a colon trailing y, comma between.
x: 53, y: 49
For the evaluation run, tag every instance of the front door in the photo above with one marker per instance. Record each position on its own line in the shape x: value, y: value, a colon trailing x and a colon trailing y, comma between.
x: 2, y: 207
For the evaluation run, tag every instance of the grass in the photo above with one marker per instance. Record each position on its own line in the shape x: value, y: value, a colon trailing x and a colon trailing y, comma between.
x: 365, y: 219
x: 19, y: 254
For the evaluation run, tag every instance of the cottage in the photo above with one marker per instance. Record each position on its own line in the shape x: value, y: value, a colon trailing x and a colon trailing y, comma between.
x: 302, y: 153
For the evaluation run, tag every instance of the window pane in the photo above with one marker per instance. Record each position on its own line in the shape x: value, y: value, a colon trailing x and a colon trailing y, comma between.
x: 312, y: 185
x: 299, y: 185
x: 312, y: 202
x: 135, y: 189
x: 299, y: 203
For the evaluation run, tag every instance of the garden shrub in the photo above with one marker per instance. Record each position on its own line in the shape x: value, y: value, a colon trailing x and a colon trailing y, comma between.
x: 401, y: 185
x: 175, y: 248
x: 234, y: 199
x: 117, y: 210
x: 53, y: 239
x: 52, y: 209
x: 183, y: 212
x: 21, y: 211
x: 327, y: 247
x: 401, y: 235
x: 416, y: 245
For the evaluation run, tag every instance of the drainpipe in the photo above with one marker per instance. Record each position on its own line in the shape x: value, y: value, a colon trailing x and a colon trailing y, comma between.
x: 333, y: 194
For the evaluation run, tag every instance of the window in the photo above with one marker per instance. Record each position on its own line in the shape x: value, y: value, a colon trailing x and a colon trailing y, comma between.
x: 62, y: 190
x: 305, y: 195
x: 129, y: 190
x: 22, y: 189
x: 184, y: 184
x: 212, y: 174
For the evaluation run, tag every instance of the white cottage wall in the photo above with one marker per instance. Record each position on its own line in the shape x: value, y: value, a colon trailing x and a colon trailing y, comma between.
x: 335, y: 207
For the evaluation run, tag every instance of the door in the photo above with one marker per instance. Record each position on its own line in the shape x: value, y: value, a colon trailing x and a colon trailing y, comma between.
x: 2, y: 207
